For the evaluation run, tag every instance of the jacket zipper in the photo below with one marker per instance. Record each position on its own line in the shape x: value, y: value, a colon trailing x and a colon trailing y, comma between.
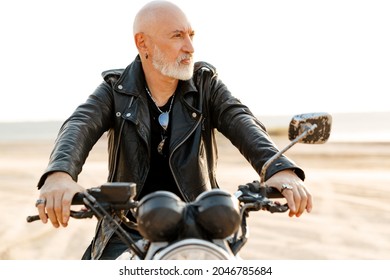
x: 115, y: 159
x: 170, y: 157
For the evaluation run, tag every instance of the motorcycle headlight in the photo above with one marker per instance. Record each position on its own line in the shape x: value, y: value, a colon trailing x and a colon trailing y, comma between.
x: 218, y: 213
x: 159, y: 215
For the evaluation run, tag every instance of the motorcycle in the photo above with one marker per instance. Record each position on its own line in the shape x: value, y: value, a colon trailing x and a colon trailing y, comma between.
x: 212, y: 227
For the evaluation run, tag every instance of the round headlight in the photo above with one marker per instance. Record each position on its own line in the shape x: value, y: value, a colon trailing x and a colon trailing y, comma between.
x: 159, y: 215
x: 218, y: 213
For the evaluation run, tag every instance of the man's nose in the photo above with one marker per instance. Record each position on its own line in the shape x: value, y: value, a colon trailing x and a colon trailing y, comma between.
x: 188, y: 45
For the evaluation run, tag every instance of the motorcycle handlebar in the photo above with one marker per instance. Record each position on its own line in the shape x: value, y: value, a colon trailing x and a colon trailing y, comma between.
x: 119, y: 196
x: 78, y: 199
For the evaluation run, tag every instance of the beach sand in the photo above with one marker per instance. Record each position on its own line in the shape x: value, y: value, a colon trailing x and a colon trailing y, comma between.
x: 350, y: 183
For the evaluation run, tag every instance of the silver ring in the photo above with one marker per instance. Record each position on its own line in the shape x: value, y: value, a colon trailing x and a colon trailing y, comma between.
x: 40, y: 201
x: 286, y: 187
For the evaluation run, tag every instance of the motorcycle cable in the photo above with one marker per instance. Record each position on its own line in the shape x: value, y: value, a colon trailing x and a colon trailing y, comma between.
x: 100, y: 212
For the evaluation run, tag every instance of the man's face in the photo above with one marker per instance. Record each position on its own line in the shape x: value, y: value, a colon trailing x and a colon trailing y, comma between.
x: 173, y: 48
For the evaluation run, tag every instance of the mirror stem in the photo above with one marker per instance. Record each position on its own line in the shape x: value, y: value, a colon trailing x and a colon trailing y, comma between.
x: 308, y: 130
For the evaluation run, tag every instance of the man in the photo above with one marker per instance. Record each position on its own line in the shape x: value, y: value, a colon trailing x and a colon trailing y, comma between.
x: 160, y: 113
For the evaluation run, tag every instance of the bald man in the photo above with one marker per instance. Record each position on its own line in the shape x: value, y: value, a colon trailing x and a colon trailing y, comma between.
x: 161, y: 113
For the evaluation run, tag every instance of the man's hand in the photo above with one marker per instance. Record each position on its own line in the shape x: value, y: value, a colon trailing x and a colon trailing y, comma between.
x: 293, y: 189
x: 57, y: 194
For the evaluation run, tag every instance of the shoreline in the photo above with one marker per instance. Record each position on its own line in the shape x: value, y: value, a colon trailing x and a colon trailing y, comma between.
x: 366, y: 127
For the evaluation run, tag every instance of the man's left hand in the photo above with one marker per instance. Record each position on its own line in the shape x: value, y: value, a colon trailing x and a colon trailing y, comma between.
x: 294, y: 190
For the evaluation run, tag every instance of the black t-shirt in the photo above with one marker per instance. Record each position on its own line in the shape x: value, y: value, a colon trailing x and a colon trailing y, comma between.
x: 160, y: 175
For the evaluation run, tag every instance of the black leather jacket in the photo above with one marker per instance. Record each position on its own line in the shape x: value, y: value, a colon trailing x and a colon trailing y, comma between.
x: 119, y: 105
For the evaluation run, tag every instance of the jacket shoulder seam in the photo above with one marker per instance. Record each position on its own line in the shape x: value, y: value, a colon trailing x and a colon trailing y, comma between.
x: 112, y: 75
x: 205, y: 66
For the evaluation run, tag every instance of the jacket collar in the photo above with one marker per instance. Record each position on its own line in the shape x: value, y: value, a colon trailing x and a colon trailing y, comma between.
x: 131, y: 80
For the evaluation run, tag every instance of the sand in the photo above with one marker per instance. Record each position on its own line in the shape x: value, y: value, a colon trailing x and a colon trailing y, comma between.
x: 350, y: 183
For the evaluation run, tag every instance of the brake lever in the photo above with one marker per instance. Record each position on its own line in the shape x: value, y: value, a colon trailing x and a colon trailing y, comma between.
x: 82, y: 214
x: 253, y: 194
x: 247, y: 194
x: 277, y: 208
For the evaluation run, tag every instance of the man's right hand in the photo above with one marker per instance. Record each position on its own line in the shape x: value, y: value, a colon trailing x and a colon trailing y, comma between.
x: 57, y: 192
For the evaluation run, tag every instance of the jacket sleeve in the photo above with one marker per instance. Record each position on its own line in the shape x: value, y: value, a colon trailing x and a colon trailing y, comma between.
x: 236, y: 122
x: 80, y: 132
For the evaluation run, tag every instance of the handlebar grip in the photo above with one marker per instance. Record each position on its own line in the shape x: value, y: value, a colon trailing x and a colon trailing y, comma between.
x: 31, y: 219
x: 267, y: 191
x: 78, y: 199
x: 272, y: 192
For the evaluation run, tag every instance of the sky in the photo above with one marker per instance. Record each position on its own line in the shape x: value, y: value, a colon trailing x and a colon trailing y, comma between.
x: 278, y: 57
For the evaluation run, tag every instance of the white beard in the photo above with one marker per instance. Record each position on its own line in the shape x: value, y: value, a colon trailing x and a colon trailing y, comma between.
x: 175, y: 69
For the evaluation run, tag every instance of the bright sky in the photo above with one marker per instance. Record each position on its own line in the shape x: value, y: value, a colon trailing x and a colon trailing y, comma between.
x: 278, y: 57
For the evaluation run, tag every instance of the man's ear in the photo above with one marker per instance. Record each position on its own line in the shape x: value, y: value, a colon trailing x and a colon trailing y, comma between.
x: 139, y: 39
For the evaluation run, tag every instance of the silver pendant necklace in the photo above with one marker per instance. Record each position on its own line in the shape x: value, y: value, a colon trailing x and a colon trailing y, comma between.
x: 163, y: 120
